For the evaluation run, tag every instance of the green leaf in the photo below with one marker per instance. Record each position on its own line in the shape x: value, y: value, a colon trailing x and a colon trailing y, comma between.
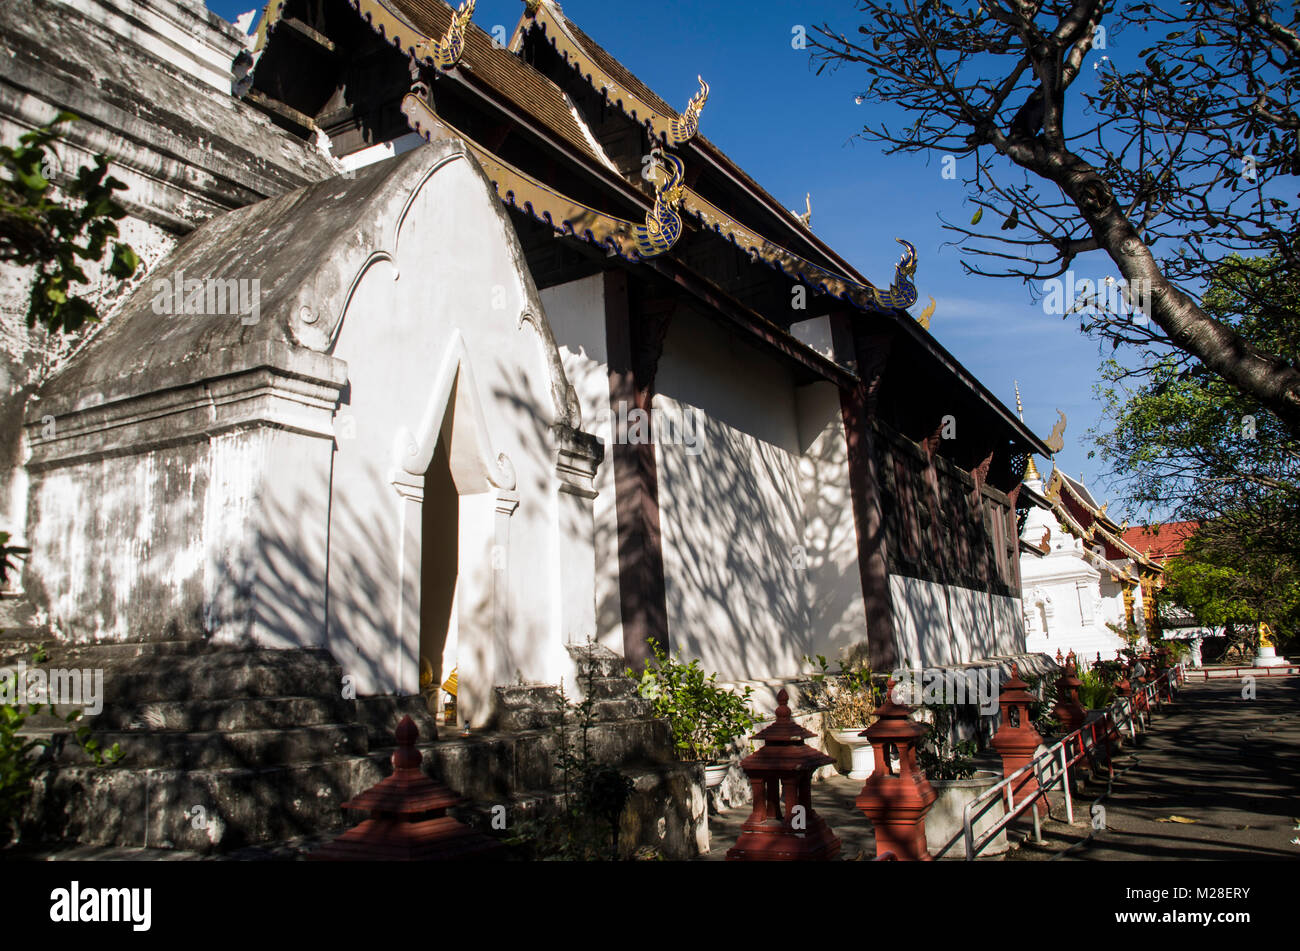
x: 975, y: 218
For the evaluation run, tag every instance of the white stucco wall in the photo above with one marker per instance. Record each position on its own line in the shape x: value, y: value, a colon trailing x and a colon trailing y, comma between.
x: 937, y: 624
x: 576, y: 312
x: 754, y: 512
x: 455, y: 272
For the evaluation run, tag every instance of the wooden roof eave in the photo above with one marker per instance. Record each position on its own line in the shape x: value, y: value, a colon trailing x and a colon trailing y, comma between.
x: 922, y: 337
x: 659, y: 124
x: 520, y: 190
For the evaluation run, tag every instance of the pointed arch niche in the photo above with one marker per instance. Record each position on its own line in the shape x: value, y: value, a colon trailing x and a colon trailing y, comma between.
x: 456, y: 500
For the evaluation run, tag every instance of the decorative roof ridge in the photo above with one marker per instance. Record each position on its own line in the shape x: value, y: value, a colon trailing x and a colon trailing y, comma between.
x: 520, y: 190
x: 901, y: 294
x: 664, y: 123
x: 538, y: 14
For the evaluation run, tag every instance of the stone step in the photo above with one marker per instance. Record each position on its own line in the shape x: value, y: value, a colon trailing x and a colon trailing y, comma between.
x: 380, y: 716
x: 629, y: 708
x: 254, y: 713
x: 216, y: 749
x: 666, y: 807
x: 605, y: 662
x: 523, y: 707
x: 611, y: 688
x: 223, y: 675
x: 156, y: 808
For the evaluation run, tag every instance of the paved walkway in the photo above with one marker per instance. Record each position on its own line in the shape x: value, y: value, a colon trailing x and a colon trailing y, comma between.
x: 1230, y: 764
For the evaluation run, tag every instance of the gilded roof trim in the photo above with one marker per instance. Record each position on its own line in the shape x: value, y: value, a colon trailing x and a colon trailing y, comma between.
x: 820, y: 280
x: 577, y: 219
x: 520, y: 190
x: 669, y: 127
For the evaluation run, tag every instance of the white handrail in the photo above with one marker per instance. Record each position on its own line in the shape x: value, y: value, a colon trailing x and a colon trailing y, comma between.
x: 1058, y: 758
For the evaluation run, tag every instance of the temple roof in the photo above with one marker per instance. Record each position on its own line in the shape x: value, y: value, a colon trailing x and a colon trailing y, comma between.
x: 1161, y: 541
x: 304, y: 246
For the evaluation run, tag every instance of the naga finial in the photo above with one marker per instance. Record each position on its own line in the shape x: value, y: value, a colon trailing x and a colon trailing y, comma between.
x: 685, y: 126
x: 902, y: 293
x: 663, y: 225
x: 805, y: 219
x: 447, y: 51
x: 924, y: 319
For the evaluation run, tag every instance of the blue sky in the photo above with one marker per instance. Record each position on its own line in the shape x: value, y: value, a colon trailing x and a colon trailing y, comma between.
x: 792, y: 131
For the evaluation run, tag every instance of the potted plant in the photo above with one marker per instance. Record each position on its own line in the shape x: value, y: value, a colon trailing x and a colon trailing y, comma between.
x: 706, y: 718
x: 1095, y: 692
x: 848, y: 707
x: 949, y: 765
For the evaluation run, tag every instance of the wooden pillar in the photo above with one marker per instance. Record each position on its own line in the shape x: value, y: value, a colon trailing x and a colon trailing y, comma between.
x: 634, y: 338
x: 859, y: 407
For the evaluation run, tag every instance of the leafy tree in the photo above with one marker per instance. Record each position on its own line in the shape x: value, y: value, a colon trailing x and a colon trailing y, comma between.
x: 56, y: 236
x: 1226, y: 581
x: 1186, y: 441
x: 1191, y: 150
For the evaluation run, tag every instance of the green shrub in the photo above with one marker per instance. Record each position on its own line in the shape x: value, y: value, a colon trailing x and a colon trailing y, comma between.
x: 705, y: 718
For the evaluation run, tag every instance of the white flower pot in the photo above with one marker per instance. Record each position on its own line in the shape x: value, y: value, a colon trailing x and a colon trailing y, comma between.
x: 944, y: 821
x: 715, y: 774
x: 863, y: 756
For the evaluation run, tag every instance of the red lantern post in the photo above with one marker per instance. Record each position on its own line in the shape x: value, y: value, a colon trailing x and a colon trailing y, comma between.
x: 408, y: 817
x: 1016, y: 739
x: 783, y: 826
x: 896, y: 802
x: 1068, y: 709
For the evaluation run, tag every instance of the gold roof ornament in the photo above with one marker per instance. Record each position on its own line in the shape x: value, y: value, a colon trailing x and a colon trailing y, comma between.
x: 1031, y: 471
x: 446, y: 52
x: 531, y: 7
x: 924, y: 321
x: 1020, y: 407
x: 663, y: 225
x: 1056, y: 441
x: 683, y: 128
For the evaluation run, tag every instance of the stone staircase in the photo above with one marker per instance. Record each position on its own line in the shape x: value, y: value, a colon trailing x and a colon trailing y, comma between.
x: 229, y: 748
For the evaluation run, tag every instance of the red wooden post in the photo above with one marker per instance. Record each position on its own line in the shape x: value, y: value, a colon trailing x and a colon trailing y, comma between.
x: 896, y: 802
x: 783, y: 826
x: 1068, y: 709
x: 408, y: 817
x: 1016, y: 739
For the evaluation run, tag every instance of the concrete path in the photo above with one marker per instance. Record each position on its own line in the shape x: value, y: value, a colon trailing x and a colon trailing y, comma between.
x: 1228, y: 762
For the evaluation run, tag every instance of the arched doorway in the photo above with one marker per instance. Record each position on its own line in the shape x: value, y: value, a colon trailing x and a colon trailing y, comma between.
x: 439, y: 572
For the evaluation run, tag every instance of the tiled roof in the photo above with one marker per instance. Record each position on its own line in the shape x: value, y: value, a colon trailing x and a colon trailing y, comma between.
x: 625, y: 77
x: 1163, y: 540
x: 495, y: 66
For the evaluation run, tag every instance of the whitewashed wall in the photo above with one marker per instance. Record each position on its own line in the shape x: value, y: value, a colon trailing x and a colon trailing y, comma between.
x: 455, y: 275
x: 937, y: 624
x: 576, y: 312
x: 746, y: 557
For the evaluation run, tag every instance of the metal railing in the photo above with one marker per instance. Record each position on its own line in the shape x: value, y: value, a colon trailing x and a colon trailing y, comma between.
x: 1052, y: 766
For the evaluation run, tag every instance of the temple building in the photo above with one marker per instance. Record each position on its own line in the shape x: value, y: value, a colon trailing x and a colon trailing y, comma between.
x: 1085, y: 584
x: 520, y: 359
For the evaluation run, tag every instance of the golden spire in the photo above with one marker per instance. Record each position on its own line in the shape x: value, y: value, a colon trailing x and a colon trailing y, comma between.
x: 1031, y: 471
x: 1020, y: 409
